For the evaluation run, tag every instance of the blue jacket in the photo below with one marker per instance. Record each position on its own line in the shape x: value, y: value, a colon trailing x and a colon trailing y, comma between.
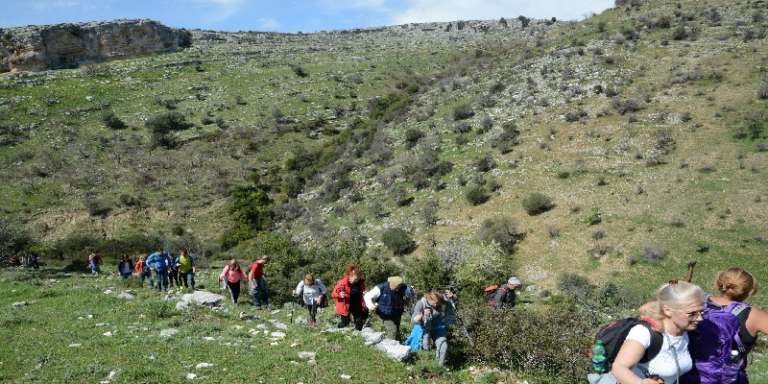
x: 158, y: 261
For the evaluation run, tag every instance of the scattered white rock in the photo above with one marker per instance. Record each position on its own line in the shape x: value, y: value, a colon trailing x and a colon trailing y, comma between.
x: 99, y: 325
x: 108, y: 334
x: 275, y: 312
x: 393, y: 349
x: 371, y: 337
x: 108, y: 292
x: 191, y: 376
x: 277, y: 335
x: 261, y: 326
x: 126, y: 296
x: 278, y: 325
x: 89, y: 98
x: 75, y: 345
x: 209, y: 338
x: 20, y: 304
x: 203, y: 365
x: 344, y: 376
x: 304, y: 355
x: 169, y: 332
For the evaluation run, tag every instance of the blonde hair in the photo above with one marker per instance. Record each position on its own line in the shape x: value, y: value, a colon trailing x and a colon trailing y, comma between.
x: 435, y: 297
x: 676, y: 294
x: 309, y: 279
x: 735, y: 284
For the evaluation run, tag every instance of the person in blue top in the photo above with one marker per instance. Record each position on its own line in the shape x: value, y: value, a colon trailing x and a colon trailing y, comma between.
x: 388, y: 301
x: 158, y: 263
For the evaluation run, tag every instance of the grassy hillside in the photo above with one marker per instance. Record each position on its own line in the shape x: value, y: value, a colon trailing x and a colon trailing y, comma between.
x: 646, y: 127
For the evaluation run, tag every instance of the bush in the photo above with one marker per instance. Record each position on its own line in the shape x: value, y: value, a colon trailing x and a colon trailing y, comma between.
x: 97, y: 207
x: 476, y: 195
x: 595, y: 217
x: 162, y: 127
x: 508, y: 138
x: 654, y: 253
x: 537, y: 203
x: 485, y: 163
x: 426, y: 273
x: 429, y: 213
x: 625, y: 106
x: 462, y: 112
x: 14, y: 241
x: 550, y: 340
x: 398, y: 241
x: 762, y: 92
x: 412, y: 136
x: 680, y: 33
x: 575, y: 285
x: 754, y: 126
x: 300, y: 71
x: 111, y: 120
x: 501, y: 230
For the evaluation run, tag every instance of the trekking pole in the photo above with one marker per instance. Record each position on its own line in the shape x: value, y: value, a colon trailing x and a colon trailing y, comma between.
x: 691, y: 266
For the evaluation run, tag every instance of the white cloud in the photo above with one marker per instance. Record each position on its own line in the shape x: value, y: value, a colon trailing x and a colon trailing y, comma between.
x: 268, y: 24
x: 418, y: 11
x: 41, y: 5
x: 368, y: 4
x: 223, y: 9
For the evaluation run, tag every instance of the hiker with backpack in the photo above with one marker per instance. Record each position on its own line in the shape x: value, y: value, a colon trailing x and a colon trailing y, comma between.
x: 434, y: 315
x: 141, y: 270
x: 720, y: 344
x: 258, y: 288
x: 173, y: 271
x: 186, y: 264
x: 232, y: 275
x: 503, y: 297
x: 388, y: 301
x: 312, y: 294
x: 158, y: 266
x: 125, y: 267
x: 348, y: 293
x: 654, y: 350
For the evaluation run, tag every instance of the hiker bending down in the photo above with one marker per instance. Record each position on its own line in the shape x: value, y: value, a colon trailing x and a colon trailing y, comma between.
x: 433, y: 314
x: 504, y: 296
x: 388, y: 301
x: 94, y: 261
x: 125, y: 267
x: 258, y: 284
x: 233, y: 275
x: 348, y: 294
x: 312, y: 293
x: 186, y: 264
x: 678, y: 310
x: 720, y: 344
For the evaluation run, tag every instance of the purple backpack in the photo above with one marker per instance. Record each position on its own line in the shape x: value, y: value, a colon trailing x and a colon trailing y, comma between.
x: 718, y: 353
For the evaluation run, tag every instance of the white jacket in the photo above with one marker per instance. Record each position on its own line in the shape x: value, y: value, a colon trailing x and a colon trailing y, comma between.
x: 310, y: 293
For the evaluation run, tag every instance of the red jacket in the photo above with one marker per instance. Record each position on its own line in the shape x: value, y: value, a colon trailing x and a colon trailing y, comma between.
x: 342, y: 305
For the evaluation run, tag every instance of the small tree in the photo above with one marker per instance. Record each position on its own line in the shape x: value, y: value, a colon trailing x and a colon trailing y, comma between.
x: 462, y: 112
x: 111, y: 120
x: 476, y: 195
x: 164, y: 125
x: 537, y: 203
x: 398, y: 241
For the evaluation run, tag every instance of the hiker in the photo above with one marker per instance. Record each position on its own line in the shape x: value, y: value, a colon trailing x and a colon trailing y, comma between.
x: 158, y: 265
x: 186, y: 264
x: 94, y: 261
x: 125, y: 267
x: 729, y: 331
x: 258, y: 284
x: 173, y: 271
x: 141, y: 270
x: 312, y: 293
x: 434, y: 315
x: 348, y: 293
x: 232, y: 275
x: 388, y: 301
x: 678, y: 309
x: 505, y: 296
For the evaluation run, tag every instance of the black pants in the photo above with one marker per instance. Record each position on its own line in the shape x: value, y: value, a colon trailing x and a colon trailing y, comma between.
x: 173, y: 277
x: 234, y: 290
x: 359, y: 315
x: 312, y: 308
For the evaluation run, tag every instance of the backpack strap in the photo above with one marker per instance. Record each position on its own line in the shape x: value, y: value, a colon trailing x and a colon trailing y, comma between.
x: 657, y: 340
x: 741, y: 311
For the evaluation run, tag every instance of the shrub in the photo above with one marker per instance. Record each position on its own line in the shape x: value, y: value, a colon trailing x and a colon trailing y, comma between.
x: 426, y: 273
x: 754, y: 126
x: 412, y: 136
x: 595, y: 217
x: 462, y: 112
x: 574, y: 116
x: 96, y: 206
x: 575, y: 285
x: 549, y: 340
x: 486, y: 124
x: 476, y: 195
x: 762, y: 92
x: 537, y: 203
x: 429, y: 213
x: 398, y: 241
x: 625, y: 106
x: 111, y: 120
x: 163, y: 125
x: 508, y: 138
x: 501, y: 230
x: 654, y: 253
x: 680, y: 33
x: 485, y: 163
x: 14, y: 240
x: 300, y: 71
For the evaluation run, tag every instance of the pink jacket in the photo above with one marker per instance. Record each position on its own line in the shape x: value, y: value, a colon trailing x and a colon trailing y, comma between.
x: 232, y: 276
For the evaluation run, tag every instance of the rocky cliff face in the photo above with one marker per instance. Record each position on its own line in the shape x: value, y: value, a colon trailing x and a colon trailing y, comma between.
x: 37, y: 48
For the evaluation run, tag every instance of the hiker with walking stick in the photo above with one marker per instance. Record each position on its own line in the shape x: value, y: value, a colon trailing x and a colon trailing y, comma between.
x: 311, y: 292
x: 434, y: 315
x: 348, y: 294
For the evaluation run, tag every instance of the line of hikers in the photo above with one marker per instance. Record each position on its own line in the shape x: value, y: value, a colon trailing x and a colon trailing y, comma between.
x: 160, y: 268
x: 684, y: 336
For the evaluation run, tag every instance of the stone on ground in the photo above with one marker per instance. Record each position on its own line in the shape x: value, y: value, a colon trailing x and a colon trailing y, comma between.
x: 126, y: 296
x: 394, y: 349
x: 305, y: 355
x: 168, y: 332
x: 203, y: 365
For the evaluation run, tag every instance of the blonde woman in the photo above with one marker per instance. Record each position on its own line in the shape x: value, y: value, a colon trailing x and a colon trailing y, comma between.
x: 312, y: 292
x: 678, y: 308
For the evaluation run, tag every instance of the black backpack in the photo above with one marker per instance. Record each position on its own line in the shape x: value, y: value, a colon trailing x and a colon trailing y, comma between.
x: 614, y: 334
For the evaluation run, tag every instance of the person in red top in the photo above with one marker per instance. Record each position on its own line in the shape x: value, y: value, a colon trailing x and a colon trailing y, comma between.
x: 348, y: 294
x: 258, y: 284
x: 142, y: 272
x: 233, y: 275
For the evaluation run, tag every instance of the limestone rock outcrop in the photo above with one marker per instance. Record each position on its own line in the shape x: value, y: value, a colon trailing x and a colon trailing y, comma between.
x: 37, y: 48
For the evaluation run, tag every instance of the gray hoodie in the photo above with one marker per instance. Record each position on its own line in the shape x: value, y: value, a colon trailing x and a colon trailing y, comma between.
x: 310, y: 292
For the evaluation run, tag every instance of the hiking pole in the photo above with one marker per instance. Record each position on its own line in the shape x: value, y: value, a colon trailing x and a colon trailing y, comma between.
x: 691, y: 266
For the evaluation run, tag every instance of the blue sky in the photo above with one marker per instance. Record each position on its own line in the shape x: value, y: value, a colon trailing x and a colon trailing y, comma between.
x: 288, y: 15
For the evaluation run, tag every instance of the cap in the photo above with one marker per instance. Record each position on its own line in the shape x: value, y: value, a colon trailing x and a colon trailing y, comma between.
x: 514, y: 281
x: 395, y: 280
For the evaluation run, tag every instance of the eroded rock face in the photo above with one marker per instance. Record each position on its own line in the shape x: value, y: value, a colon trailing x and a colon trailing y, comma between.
x: 37, y: 48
